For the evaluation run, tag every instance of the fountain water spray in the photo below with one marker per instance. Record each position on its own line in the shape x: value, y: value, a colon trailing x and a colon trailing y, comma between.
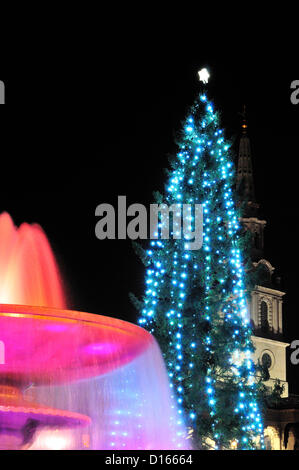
x: 102, y: 381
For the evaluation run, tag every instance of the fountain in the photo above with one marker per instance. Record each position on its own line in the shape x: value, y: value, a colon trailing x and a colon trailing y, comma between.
x: 101, y: 380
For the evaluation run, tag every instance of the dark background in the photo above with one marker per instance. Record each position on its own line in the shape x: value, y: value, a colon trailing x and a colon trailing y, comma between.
x: 93, y: 116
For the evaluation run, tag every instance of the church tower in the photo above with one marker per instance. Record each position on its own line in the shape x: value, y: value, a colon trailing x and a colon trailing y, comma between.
x: 266, y: 313
x: 266, y: 299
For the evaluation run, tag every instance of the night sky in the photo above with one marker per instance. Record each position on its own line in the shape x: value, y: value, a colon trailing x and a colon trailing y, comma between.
x: 94, y: 120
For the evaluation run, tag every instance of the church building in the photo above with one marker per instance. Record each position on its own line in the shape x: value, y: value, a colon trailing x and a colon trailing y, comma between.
x: 266, y: 312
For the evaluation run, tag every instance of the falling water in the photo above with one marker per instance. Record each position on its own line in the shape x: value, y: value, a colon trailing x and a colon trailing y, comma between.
x: 130, y: 408
x: 101, y: 381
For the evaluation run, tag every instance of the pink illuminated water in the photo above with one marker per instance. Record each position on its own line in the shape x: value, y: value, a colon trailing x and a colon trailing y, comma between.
x: 105, y: 369
x: 28, y: 270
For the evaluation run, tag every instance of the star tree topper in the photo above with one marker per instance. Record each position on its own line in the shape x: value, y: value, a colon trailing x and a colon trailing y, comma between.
x: 204, y: 75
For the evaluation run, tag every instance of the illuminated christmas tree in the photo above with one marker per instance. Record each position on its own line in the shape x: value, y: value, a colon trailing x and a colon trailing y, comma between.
x: 195, y: 300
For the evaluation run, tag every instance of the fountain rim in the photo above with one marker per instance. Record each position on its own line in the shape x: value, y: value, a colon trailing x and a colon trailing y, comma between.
x: 73, y: 315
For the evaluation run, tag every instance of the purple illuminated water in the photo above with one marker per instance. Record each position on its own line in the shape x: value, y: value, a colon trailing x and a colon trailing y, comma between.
x: 130, y: 408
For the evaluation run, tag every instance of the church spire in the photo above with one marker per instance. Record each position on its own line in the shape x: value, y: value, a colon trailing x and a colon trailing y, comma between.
x: 245, y: 184
x: 244, y: 120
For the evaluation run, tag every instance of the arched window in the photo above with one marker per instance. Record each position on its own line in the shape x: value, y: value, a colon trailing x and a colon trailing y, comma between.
x: 264, y: 315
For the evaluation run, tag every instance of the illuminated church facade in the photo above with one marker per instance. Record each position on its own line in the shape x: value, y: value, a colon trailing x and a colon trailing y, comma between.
x: 266, y: 312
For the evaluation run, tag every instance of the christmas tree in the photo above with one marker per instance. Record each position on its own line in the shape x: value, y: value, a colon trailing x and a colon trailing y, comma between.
x: 195, y: 300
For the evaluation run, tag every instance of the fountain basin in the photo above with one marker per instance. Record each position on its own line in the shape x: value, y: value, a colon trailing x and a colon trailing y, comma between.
x: 20, y: 418
x: 45, y: 345
x: 102, y: 382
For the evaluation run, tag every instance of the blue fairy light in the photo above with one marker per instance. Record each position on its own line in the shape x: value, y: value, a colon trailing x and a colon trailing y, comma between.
x: 202, y: 173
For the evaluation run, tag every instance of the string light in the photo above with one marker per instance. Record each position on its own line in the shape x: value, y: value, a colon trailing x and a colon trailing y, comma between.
x: 184, y: 290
